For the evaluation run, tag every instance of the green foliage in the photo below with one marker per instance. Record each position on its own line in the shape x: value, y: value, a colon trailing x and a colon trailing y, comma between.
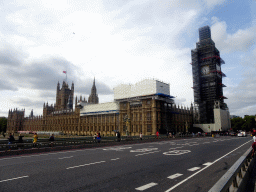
x: 3, y: 124
x: 247, y: 123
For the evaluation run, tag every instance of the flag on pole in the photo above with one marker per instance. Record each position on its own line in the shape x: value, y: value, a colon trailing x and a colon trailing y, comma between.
x: 64, y: 71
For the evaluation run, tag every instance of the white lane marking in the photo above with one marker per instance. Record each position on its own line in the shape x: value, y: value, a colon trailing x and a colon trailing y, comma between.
x: 144, y: 150
x: 142, y: 188
x: 176, y: 148
x: 207, y: 164
x: 194, y: 169
x: 147, y: 153
x: 175, y: 176
x: 14, y: 178
x: 66, y: 157
x: 204, y: 168
x: 85, y: 165
x: 114, y: 159
x: 116, y: 148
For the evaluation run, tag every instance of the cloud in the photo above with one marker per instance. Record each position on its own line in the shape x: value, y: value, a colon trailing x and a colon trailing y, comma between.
x: 241, y: 97
x: 241, y: 40
x: 213, y: 3
x: 10, y: 55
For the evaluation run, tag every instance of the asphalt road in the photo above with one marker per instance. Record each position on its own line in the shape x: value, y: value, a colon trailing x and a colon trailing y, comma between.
x: 193, y: 164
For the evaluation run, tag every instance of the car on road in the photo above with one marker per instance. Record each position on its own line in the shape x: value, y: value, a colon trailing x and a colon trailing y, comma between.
x: 242, y: 134
x: 232, y: 134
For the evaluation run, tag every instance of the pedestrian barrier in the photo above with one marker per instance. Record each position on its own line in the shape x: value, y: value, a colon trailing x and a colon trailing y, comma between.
x: 237, y: 176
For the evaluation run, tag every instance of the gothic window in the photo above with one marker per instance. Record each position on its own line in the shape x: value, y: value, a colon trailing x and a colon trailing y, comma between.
x: 149, y: 128
x: 148, y: 116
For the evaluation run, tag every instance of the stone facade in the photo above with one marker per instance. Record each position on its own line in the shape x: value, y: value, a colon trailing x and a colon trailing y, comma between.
x: 146, y: 114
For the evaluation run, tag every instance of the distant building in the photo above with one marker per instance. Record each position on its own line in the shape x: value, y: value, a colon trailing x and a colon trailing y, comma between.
x: 234, y: 116
x: 144, y: 107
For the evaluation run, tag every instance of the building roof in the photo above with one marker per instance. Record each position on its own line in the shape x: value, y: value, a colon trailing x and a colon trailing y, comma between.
x: 101, y: 108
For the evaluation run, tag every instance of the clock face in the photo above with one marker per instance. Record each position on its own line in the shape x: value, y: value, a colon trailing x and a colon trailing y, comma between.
x: 205, y: 70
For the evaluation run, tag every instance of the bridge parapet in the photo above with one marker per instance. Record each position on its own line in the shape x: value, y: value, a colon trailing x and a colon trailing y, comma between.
x: 236, y: 177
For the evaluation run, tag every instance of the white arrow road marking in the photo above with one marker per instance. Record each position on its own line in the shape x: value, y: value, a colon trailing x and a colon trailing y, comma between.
x: 142, y: 188
x: 13, y: 179
x: 176, y: 152
x: 194, y: 169
x: 207, y: 164
x: 174, y: 176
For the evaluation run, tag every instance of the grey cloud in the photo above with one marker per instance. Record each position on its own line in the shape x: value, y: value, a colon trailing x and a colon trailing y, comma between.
x: 11, y: 56
x: 85, y: 87
x: 7, y: 85
x: 25, y: 102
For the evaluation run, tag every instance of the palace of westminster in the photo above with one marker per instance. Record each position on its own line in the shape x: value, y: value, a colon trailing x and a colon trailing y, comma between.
x: 146, y: 106
x: 133, y: 114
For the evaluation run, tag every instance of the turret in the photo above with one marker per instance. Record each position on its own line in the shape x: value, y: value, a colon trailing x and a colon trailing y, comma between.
x: 58, y: 86
x: 70, y: 103
x: 72, y: 86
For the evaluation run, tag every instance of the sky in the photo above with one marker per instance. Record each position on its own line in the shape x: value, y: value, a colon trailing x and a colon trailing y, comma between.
x: 121, y: 42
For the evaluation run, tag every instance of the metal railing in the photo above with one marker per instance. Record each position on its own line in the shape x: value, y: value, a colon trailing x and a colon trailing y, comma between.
x: 236, y: 177
x: 42, y: 143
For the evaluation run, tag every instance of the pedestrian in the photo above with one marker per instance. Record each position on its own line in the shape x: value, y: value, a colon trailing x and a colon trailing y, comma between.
x: 170, y: 135
x: 35, y: 139
x: 20, y: 138
x: 141, y: 135
x: 51, y: 137
x: 95, y: 137
x: 253, y: 148
x: 157, y: 134
x: 254, y: 138
x: 11, y: 140
x: 98, y: 138
x: 118, y: 137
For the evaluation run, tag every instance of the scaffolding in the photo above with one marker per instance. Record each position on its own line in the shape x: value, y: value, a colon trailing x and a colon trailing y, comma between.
x: 207, y: 87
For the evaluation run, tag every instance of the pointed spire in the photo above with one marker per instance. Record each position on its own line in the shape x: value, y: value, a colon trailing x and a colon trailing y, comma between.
x: 58, y: 86
x: 72, y: 86
x: 44, y: 104
x: 76, y: 100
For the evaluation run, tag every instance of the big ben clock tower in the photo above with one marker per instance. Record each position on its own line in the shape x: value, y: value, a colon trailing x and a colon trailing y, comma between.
x: 207, y: 76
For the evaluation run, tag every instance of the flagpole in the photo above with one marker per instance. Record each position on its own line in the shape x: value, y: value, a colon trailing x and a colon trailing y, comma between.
x: 66, y: 76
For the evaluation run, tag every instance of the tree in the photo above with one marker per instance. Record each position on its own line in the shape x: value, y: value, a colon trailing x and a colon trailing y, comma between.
x: 249, y: 123
x: 3, y: 124
x: 237, y: 123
